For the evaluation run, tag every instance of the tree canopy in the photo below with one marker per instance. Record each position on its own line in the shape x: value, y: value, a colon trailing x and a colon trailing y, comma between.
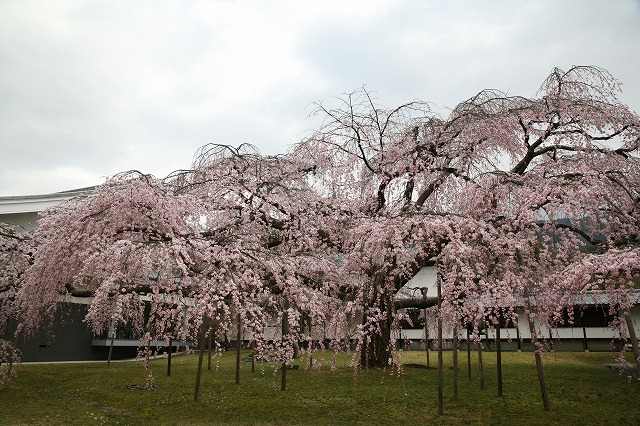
x: 519, y: 202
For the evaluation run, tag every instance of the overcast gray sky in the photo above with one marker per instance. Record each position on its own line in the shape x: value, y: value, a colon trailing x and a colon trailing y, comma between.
x: 92, y: 88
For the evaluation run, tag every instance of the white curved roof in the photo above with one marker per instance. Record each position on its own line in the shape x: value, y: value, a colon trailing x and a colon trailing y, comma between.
x: 37, y: 203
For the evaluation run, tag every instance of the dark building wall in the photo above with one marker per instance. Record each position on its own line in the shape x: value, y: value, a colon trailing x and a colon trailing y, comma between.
x: 28, y: 221
x: 68, y: 339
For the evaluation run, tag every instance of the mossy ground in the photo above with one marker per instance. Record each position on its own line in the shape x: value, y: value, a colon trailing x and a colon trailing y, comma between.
x: 582, y: 391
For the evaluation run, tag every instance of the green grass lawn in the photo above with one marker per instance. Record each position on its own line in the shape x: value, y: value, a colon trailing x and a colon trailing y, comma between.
x: 582, y: 393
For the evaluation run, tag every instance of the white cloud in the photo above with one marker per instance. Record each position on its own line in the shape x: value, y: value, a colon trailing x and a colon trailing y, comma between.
x: 93, y: 88
x: 51, y: 180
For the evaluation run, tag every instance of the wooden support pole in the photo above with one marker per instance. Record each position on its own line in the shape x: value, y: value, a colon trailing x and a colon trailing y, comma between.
x: 426, y: 337
x: 468, y: 354
x: 480, y: 365
x: 499, y: 359
x: 238, y: 347
x: 209, y: 343
x: 169, y: 356
x: 634, y: 340
x: 285, y: 331
x: 253, y: 356
x: 440, y: 366
x: 113, y: 337
x: 539, y: 367
x: 455, y: 362
x: 196, y: 395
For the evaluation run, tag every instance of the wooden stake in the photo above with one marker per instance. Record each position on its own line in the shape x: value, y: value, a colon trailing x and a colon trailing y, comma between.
x: 539, y: 367
x: 285, y: 331
x: 499, y: 359
x: 209, y: 337
x: 455, y: 362
x: 440, y: 367
x: 426, y: 337
x: 196, y: 394
x: 169, y: 356
x: 468, y: 354
x: 238, y: 344
x: 113, y: 336
x: 634, y: 340
x: 480, y: 366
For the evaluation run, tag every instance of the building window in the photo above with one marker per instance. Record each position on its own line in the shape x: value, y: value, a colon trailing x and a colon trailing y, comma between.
x: 417, y: 321
x: 587, y: 316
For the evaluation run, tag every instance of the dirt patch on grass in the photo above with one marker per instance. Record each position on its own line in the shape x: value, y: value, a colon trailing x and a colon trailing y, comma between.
x: 418, y: 366
x: 136, y: 387
x: 627, y: 371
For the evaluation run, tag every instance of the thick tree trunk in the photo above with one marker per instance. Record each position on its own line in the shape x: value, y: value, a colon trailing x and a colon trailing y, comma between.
x: 376, y: 352
x: 539, y: 366
x: 376, y: 349
x: 634, y: 340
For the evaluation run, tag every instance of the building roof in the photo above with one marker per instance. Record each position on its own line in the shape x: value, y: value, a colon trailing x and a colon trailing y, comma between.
x: 38, y: 203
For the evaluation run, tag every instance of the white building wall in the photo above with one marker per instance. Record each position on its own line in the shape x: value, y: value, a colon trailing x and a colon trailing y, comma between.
x: 426, y: 278
x: 24, y: 210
